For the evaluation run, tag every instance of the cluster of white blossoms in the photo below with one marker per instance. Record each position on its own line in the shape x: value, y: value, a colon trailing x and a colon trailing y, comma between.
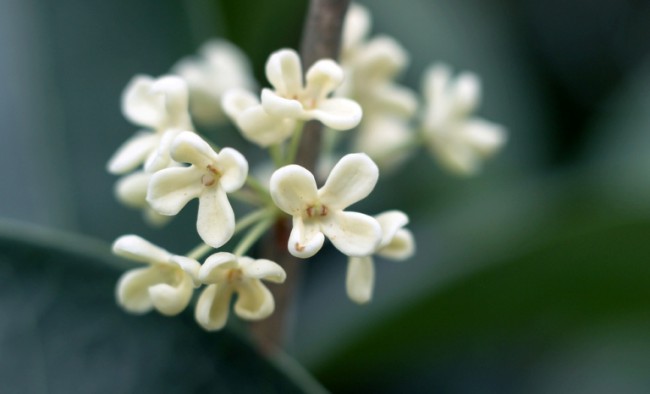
x: 390, y: 131
x: 169, y: 163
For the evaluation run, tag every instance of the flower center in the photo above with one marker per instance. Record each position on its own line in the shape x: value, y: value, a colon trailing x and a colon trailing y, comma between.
x: 234, y: 275
x: 211, y: 177
x: 316, y: 210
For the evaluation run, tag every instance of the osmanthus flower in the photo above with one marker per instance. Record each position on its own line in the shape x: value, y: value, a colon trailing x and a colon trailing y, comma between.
x: 226, y: 274
x: 458, y: 140
x: 320, y: 212
x: 219, y: 66
x: 161, y: 106
x: 166, y: 284
x: 372, y: 66
x: 131, y: 190
x: 291, y: 98
x: 209, y: 177
x: 256, y: 125
x: 396, y: 244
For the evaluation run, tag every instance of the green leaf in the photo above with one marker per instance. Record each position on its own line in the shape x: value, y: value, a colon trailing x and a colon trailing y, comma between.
x: 61, y: 331
x: 592, y: 278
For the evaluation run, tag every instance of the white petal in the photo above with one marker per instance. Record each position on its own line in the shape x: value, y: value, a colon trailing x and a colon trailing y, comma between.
x: 351, y: 180
x: 306, y: 238
x: 172, y: 188
x: 466, y: 93
x: 216, y: 220
x: 338, y: 113
x: 353, y: 233
x: 176, y: 98
x: 138, y: 249
x: 284, y: 72
x: 254, y: 300
x: 132, y: 291
x: 264, y: 269
x: 278, y: 106
x: 188, y: 147
x: 161, y: 157
x: 236, y: 101
x: 436, y: 83
x: 216, y: 267
x: 140, y: 106
x: 212, y: 307
x: 131, y: 190
x: 234, y: 169
x: 401, y: 247
x: 263, y: 129
x: 189, y: 266
x: 381, y: 59
x: 485, y: 137
x: 360, y: 279
x: 293, y: 188
x: 390, y: 222
x: 322, y: 79
x: 380, y: 135
x: 356, y: 26
x: 458, y: 158
x: 133, y: 152
x: 393, y: 99
x: 172, y: 300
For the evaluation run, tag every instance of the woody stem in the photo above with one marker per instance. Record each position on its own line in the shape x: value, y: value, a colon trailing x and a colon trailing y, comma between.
x: 321, y: 39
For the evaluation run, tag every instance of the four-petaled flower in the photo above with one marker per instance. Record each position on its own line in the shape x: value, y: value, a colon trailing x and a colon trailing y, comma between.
x: 220, y: 66
x: 290, y: 98
x: 225, y: 274
x: 166, y: 284
x: 210, y: 176
x: 459, y: 141
x: 160, y: 105
x: 320, y: 212
x: 396, y: 244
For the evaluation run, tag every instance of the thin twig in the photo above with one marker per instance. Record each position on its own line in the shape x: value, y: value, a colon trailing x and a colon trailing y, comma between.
x: 321, y: 39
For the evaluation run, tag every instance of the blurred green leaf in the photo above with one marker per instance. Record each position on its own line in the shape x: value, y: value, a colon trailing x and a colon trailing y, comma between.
x: 61, y: 331
x: 571, y: 284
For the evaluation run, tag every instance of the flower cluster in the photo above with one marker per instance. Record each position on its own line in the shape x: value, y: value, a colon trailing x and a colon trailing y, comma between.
x: 169, y: 163
x: 459, y: 141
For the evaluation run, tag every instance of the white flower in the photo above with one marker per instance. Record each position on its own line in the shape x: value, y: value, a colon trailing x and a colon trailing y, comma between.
x: 293, y: 99
x: 131, y: 190
x: 371, y: 67
x: 220, y: 66
x: 320, y: 212
x: 255, y: 123
x: 166, y: 284
x: 159, y: 105
x: 459, y: 141
x: 225, y: 274
x: 385, y: 138
x: 210, y: 176
x: 396, y: 244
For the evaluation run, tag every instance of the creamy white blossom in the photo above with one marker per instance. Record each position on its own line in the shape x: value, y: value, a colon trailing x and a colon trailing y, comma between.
x: 291, y: 98
x: 256, y: 125
x: 320, y: 212
x: 226, y: 274
x: 209, y: 177
x: 161, y: 107
x: 372, y: 66
x: 219, y: 67
x: 131, y: 190
x: 458, y: 140
x: 166, y: 284
x: 396, y: 244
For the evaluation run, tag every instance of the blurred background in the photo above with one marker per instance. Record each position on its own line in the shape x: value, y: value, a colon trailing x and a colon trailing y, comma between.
x: 532, y: 277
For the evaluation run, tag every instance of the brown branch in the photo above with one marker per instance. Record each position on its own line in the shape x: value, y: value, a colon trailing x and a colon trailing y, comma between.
x: 321, y: 39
